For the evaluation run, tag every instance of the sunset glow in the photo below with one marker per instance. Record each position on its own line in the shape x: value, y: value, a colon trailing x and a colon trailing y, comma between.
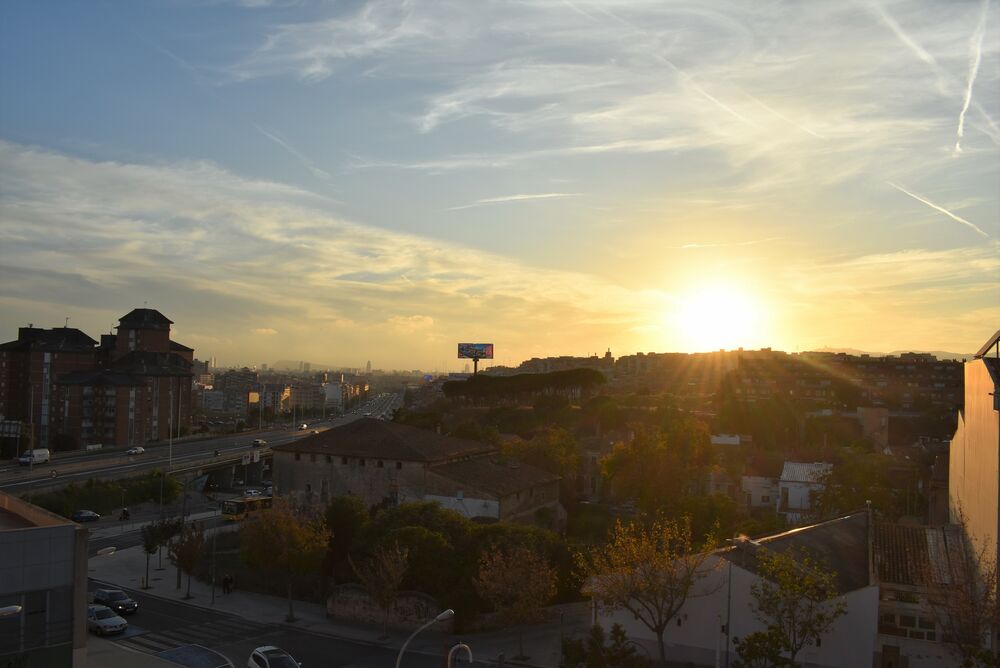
x: 717, y: 316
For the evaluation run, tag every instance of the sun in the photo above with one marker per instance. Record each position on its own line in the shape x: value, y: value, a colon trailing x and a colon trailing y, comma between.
x: 713, y: 317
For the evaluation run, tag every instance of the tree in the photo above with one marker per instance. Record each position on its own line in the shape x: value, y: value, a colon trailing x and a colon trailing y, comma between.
x: 286, y: 543
x: 794, y: 597
x: 517, y: 581
x: 381, y: 576
x: 150, y: 544
x: 186, y: 551
x: 165, y: 532
x: 596, y: 653
x: 761, y: 649
x: 650, y: 571
x: 346, y: 516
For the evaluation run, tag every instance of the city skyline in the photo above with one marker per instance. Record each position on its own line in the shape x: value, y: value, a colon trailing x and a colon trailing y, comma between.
x: 338, y: 182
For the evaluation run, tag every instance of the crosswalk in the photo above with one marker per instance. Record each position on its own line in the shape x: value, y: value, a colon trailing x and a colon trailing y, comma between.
x: 216, y: 632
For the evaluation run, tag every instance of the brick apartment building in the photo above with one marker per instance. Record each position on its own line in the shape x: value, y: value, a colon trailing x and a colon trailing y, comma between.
x: 71, y: 391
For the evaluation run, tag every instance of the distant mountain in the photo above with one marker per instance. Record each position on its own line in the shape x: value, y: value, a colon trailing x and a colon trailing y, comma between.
x: 940, y: 354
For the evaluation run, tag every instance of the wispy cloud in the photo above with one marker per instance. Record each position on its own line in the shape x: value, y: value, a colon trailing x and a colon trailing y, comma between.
x: 205, y: 244
x: 943, y: 210
x: 513, y: 198
x: 752, y: 242
x: 975, y: 57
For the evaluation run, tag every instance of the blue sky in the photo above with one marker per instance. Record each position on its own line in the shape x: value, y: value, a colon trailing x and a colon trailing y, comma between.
x: 343, y: 181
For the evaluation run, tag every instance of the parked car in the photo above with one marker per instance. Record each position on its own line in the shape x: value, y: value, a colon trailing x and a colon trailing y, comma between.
x: 269, y: 656
x: 117, y: 600
x: 102, y: 620
x: 251, y: 492
x: 137, y: 450
x: 257, y: 442
x: 36, y: 456
x: 85, y: 516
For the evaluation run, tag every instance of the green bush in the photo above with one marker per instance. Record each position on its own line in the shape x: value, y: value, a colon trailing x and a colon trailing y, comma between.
x: 105, y: 496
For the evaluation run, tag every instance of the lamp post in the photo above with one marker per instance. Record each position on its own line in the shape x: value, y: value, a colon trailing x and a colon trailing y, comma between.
x: 447, y: 614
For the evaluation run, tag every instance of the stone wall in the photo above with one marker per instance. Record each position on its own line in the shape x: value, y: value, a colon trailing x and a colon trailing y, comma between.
x: 350, y: 602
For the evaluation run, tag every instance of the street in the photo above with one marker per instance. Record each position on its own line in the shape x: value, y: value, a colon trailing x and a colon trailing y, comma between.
x: 161, y: 625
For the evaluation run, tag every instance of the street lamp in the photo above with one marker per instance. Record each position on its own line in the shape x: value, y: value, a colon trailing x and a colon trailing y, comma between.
x: 447, y: 614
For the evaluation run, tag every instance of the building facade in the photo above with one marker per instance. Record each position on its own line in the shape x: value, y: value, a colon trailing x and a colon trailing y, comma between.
x: 132, y: 387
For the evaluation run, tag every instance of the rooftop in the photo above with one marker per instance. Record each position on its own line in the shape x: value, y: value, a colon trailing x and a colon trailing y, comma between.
x: 496, y: 477
x: 917, y: 555
x: 144, y: 318
x: 369, y: 437
x: 57, y: 339
x: 839, y: 545
x: 805, y: 472
x: 18, y: 514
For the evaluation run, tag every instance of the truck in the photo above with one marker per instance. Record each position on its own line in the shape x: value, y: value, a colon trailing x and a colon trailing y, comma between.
x: 36, y: 456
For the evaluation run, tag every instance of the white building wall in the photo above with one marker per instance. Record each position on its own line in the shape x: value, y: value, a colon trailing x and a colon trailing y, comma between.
x: 758, y: 491
x: 699, y: 638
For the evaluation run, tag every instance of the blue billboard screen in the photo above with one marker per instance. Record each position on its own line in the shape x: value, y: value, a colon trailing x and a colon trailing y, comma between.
x: 479, y: 351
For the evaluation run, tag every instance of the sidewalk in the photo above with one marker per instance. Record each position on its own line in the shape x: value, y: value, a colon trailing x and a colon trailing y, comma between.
x: 127, y: 567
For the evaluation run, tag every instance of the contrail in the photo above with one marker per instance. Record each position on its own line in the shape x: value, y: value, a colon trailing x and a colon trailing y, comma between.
x: 512, y: 198
x: 976, y: 46
x: 306, y: 162
x: 934, y: 206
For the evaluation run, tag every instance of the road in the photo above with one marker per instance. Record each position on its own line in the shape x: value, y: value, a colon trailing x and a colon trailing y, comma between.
x: 80, y: 467
x: 162, y: 625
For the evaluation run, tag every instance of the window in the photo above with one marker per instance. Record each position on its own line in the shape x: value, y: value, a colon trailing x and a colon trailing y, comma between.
x: 298, y: 456
x: 765, y: 499
x: 399, y: 465
x: 381, y: 464
x: 312, y: 458
x: 329, y: 459
x: 343, y: 460
x: 361, y: 462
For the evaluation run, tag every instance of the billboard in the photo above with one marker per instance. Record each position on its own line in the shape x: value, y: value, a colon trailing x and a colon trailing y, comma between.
x: 475, y: 351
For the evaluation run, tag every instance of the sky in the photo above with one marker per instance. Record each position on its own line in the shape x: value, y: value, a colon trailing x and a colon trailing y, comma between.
x: 349, y: 181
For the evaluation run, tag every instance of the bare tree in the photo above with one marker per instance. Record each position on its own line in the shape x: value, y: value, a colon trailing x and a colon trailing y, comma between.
x: 650, y: 571
x: 517, y: 581
x: 381, y: 575
x: 965, y: 604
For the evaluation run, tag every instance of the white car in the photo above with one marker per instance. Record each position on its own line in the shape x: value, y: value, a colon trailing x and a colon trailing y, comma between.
x: 102, y: 620
x: 137, y: 450
x: 269, y: 656
x: 251, y: 492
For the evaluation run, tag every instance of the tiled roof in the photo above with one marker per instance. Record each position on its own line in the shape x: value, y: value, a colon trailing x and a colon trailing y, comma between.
x: 144, y: 318
x: 915, y: 555
x: 805, y: 472
x: 489, y: 475
x: 57, y: 339
x: 840, y: 545
x: 369, y: 437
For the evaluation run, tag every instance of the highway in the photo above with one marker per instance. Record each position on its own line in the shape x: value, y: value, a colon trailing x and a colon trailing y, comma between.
x: 78, y: 467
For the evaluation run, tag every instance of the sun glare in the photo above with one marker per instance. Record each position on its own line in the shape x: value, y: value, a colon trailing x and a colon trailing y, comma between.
x: 715, y: 317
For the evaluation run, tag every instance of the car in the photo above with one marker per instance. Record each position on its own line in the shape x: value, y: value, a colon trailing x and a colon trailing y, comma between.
x: 251, y: 492
x: 137, y: 450
x: 117, y: 600
x: 303, y: 426
x: 269, y: 656
x: 85, y: 516
x: 315, y: 431
x: 268, y: 491
x: 102, y: 620
x: 257, y: 442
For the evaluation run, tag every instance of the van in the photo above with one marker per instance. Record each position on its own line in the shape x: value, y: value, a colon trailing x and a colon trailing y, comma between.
x: 37, y: 456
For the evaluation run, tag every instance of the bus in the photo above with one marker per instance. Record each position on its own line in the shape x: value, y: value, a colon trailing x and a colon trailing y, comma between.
x: 242, y: 508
